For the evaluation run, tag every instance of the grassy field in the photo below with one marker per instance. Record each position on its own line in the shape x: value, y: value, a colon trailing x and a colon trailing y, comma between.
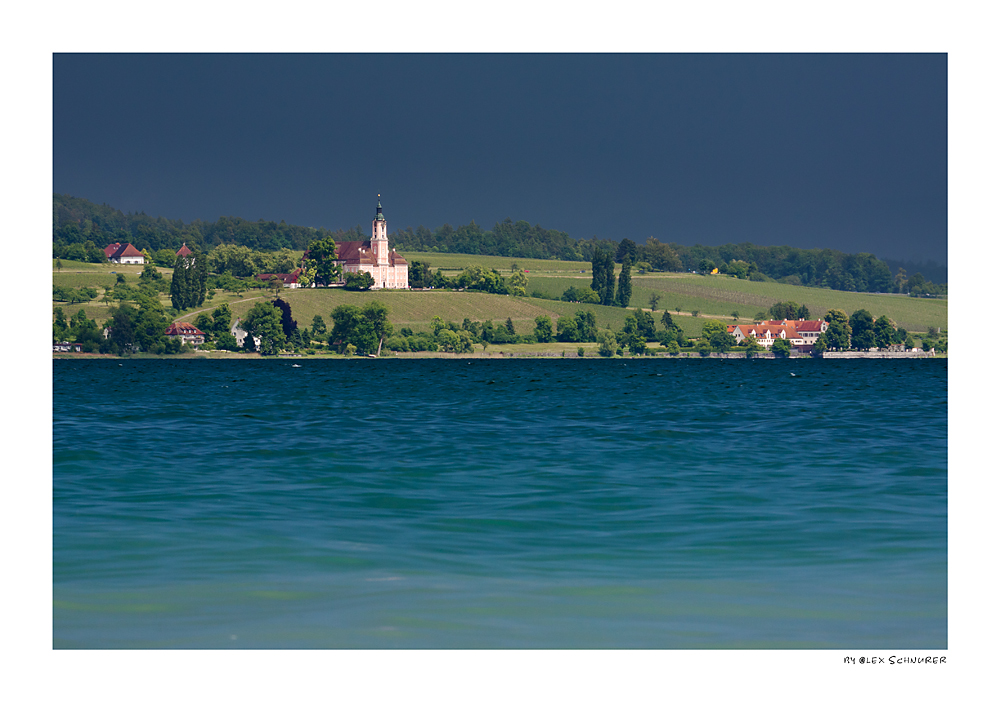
x: 711, y: 296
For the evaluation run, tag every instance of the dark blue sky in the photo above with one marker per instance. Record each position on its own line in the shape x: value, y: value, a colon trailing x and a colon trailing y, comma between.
x: 847, y: 151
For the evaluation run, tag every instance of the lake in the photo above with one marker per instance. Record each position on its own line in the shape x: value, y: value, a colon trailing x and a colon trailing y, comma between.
x: 500, y: 503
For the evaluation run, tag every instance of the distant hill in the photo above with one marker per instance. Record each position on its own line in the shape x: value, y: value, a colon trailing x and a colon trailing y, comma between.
x: 81, y: 229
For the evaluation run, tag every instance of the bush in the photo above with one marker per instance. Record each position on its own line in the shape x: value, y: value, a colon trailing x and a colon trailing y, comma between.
x: 580, y: 352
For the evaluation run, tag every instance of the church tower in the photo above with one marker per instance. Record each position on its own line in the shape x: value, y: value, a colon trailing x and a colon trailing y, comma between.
x: 380, y: 241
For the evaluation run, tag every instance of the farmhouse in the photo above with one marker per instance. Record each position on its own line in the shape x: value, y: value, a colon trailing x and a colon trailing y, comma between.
x: 802, y: 333
x: 388, y: 268
x: 187, y: 333
x: 124, y: 253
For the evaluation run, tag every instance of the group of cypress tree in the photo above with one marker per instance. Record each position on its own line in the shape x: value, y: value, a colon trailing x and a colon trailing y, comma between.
x: 190, y: 281
x: 603, y: 270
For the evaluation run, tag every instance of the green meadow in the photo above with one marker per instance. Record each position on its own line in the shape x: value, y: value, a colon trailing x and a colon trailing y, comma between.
x: 710, y: 296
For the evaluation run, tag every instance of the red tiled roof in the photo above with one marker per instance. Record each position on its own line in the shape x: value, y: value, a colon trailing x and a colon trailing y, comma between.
x: 292, y: 277
x: 125, y: 250
x: 184, y: 251
x: 108, y: 250
x: 183, y: 328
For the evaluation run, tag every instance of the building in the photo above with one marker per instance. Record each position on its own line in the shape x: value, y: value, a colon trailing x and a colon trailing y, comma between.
x: 64, y: 346
x: 802, y: 333
x: 386, y: 267
x: 241, y: 335
x: 124, y: 253
x: 187, y: 333
x: 184, y: 251
x: 288, y: 280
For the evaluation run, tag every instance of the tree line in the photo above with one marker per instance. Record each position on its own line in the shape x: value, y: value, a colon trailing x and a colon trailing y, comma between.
x: 81, y: 229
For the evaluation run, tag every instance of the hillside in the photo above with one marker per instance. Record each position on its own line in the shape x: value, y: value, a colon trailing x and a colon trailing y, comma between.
x: 711, y: 296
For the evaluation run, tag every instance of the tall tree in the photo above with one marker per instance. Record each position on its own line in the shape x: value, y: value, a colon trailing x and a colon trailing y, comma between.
x: 603, y: 275
x: 179, y: 292
x: 624, y: 294
x: 626, y: 249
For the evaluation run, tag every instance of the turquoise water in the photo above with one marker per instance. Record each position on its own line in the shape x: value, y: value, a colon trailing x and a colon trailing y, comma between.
x: 557, y: 503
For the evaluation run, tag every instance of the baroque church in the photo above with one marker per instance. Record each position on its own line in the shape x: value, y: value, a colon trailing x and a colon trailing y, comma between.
x: 374, y: 257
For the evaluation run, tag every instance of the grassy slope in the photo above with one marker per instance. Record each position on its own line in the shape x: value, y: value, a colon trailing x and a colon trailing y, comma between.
x: 712, y: 296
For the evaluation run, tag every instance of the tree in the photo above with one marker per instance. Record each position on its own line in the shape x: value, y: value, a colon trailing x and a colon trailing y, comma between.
x: 751, y: 346
x: 222, y: 319
x: 377, y: 313
x: 509, y: 326
x: 603, y: 275
x: 735, y: 315
x: 358, y: 281
x: 288, y: 324
x: 884, y: 332
x: 862, y: 330
x: 586, y: 325
x: 786, y: 310
x: 624, y: 294
x: 263, y: 321
x: 365, y: 328
x: 626, y: 249
x: 654, y: 300
x: 318, y: 325
x: 517, y: 284
x: 645, y: 324
x: 838, y: 333
x: 180, y: 285
x: 711, y: 325
x: 607, y: 344
x: 781, y: 348
x: 705, y: 266
x: 720, y: 340
x: 543, y: 329
x: 324, y: 254
x: 566, y: 329
x: 668, y: 321
x: 820, y: 345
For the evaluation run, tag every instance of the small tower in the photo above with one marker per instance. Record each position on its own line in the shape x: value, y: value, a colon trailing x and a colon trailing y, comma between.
x: 380, y: 241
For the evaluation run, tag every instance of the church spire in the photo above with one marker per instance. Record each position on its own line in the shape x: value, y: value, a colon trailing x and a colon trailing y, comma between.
x: 378, y: 210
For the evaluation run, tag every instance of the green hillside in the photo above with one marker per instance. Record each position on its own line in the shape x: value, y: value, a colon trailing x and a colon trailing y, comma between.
x: 711, y: 296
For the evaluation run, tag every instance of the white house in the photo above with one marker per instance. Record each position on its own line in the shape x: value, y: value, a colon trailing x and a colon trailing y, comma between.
x: 124, y: 253
x: 241, y: 335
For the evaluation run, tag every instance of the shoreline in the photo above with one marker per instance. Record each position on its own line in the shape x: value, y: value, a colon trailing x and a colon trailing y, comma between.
x: 832, y: 355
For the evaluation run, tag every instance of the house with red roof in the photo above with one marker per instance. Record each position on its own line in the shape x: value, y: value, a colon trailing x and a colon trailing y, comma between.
x: 187, y: 333
x: 288, y: 280
x: 802, y: 333
x: 125, y: 253
x: 184, y: 251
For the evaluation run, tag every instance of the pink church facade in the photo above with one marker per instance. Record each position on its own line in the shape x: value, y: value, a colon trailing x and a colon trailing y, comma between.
x: 386, y: 267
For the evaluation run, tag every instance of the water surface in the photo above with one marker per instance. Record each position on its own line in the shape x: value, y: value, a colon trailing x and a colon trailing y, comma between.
x: 556, y: 503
